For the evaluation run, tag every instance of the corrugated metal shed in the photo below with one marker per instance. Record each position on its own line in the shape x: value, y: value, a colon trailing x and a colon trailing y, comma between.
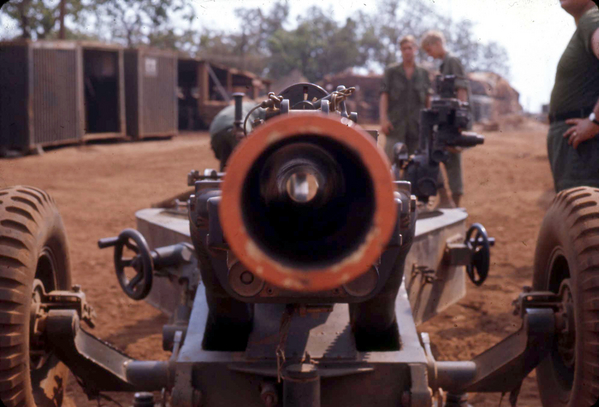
x: 39, y: 98
x: 14, y: 96
x: 151, y: 92
x: 44, y: 98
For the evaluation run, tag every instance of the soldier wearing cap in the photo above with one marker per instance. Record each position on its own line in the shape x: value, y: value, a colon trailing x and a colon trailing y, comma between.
x: 572, y: 142
x: 405, y: 90
x: 433, y: 43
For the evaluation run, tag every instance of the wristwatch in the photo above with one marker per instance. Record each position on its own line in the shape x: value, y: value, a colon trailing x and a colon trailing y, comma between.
x: 593, y: 118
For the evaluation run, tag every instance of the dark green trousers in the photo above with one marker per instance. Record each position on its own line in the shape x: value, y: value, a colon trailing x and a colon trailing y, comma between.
x: 572, y: 167
x: 453, y: 167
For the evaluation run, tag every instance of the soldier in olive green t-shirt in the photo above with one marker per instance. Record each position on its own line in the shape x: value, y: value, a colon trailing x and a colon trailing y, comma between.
x: 433, y: 43
x: 405, y: 91
x: 572, y: 142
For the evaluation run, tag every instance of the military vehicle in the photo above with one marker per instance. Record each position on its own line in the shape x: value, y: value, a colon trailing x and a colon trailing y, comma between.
x: 297, y: 278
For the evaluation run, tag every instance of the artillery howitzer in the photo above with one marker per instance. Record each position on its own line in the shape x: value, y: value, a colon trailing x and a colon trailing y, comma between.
x: 296, y: 278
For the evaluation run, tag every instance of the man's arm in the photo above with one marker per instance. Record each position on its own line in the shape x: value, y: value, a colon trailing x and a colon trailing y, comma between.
x: 429, y: 89
x: 386, y: 125
x: 595, y: 43
x: 585, y: 129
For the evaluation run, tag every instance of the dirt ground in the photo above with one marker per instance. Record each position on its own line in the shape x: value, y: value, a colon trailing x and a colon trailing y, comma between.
x: 99, y: 187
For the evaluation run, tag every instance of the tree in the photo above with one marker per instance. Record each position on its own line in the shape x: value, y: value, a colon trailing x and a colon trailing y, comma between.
x: 494, y: 58
x: 317, y: 47
x: 137, y: 22
x: 381, y: 31
x: 462, y: 42
x: 393, y: 20
x: 248, y: 47
x: 258, y: 26
x: 39, y: 19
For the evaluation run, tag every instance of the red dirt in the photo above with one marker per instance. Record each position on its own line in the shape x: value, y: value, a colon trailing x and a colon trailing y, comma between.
x: 99, y: 187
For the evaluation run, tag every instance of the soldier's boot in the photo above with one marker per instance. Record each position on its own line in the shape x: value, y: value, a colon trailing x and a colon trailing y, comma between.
x: 456, y: 199
x: 444, y: 200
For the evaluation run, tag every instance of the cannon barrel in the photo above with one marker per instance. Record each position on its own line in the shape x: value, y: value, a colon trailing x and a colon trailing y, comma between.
x: 308, y: 202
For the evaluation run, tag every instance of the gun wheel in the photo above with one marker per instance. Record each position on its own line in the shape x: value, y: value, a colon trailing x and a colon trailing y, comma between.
x: 33, y: 252
x: 567, y: 262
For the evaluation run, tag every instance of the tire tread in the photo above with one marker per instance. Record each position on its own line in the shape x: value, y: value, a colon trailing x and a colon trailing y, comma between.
x: 22, y: 213
x: 26, y: 201
x: 574, y: 216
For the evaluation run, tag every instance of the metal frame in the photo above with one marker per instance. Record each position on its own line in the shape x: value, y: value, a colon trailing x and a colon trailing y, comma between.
x: 322, y: 362
x: 96, y: 46
x: 208, y: 108
x: 137, y: 100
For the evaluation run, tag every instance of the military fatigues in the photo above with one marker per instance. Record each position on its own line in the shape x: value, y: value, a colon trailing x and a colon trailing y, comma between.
x: 222, y: 139
x: 574, y: 94
x: 406, y: 98
x: 452, y: 66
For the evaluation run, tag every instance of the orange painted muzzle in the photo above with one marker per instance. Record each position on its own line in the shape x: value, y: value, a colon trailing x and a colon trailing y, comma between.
x: 307, y: 202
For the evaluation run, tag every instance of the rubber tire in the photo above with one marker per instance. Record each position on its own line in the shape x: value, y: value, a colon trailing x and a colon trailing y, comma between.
x: 570, y: 231
x: 30, y: 225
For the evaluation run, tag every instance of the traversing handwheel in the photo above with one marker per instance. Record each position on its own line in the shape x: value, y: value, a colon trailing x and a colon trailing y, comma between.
x: 140, y: 285
x: 477, y: 241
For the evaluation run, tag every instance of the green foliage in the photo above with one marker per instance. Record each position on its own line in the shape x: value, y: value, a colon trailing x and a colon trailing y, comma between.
x: 131, y: 22
x: 39, y: 19
x: 494, y: 58
x: 136, y: 22
x: 247, y: 48
x: 317, y: 47
x: 266, y: 42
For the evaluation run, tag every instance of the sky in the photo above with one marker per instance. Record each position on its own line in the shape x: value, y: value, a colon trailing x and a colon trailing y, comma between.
x: 534, y: 32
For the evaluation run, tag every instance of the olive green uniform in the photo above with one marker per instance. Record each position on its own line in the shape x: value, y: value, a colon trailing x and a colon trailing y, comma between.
x: 222, y: 137
x: 452, y: 66
x: 406, y: 98
x: 576, y: 89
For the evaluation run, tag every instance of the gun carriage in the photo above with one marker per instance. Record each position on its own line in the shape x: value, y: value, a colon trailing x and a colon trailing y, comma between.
x: 295, y: 278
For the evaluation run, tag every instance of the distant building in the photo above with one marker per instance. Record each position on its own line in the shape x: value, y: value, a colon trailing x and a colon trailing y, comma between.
x: 205, y: 88
x: 492, y: 96
x: 365, y: 100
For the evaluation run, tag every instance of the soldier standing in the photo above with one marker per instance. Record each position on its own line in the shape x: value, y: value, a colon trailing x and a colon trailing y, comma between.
x: 405, y: 90
x: 572, y: 141
x: 433, y: 43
